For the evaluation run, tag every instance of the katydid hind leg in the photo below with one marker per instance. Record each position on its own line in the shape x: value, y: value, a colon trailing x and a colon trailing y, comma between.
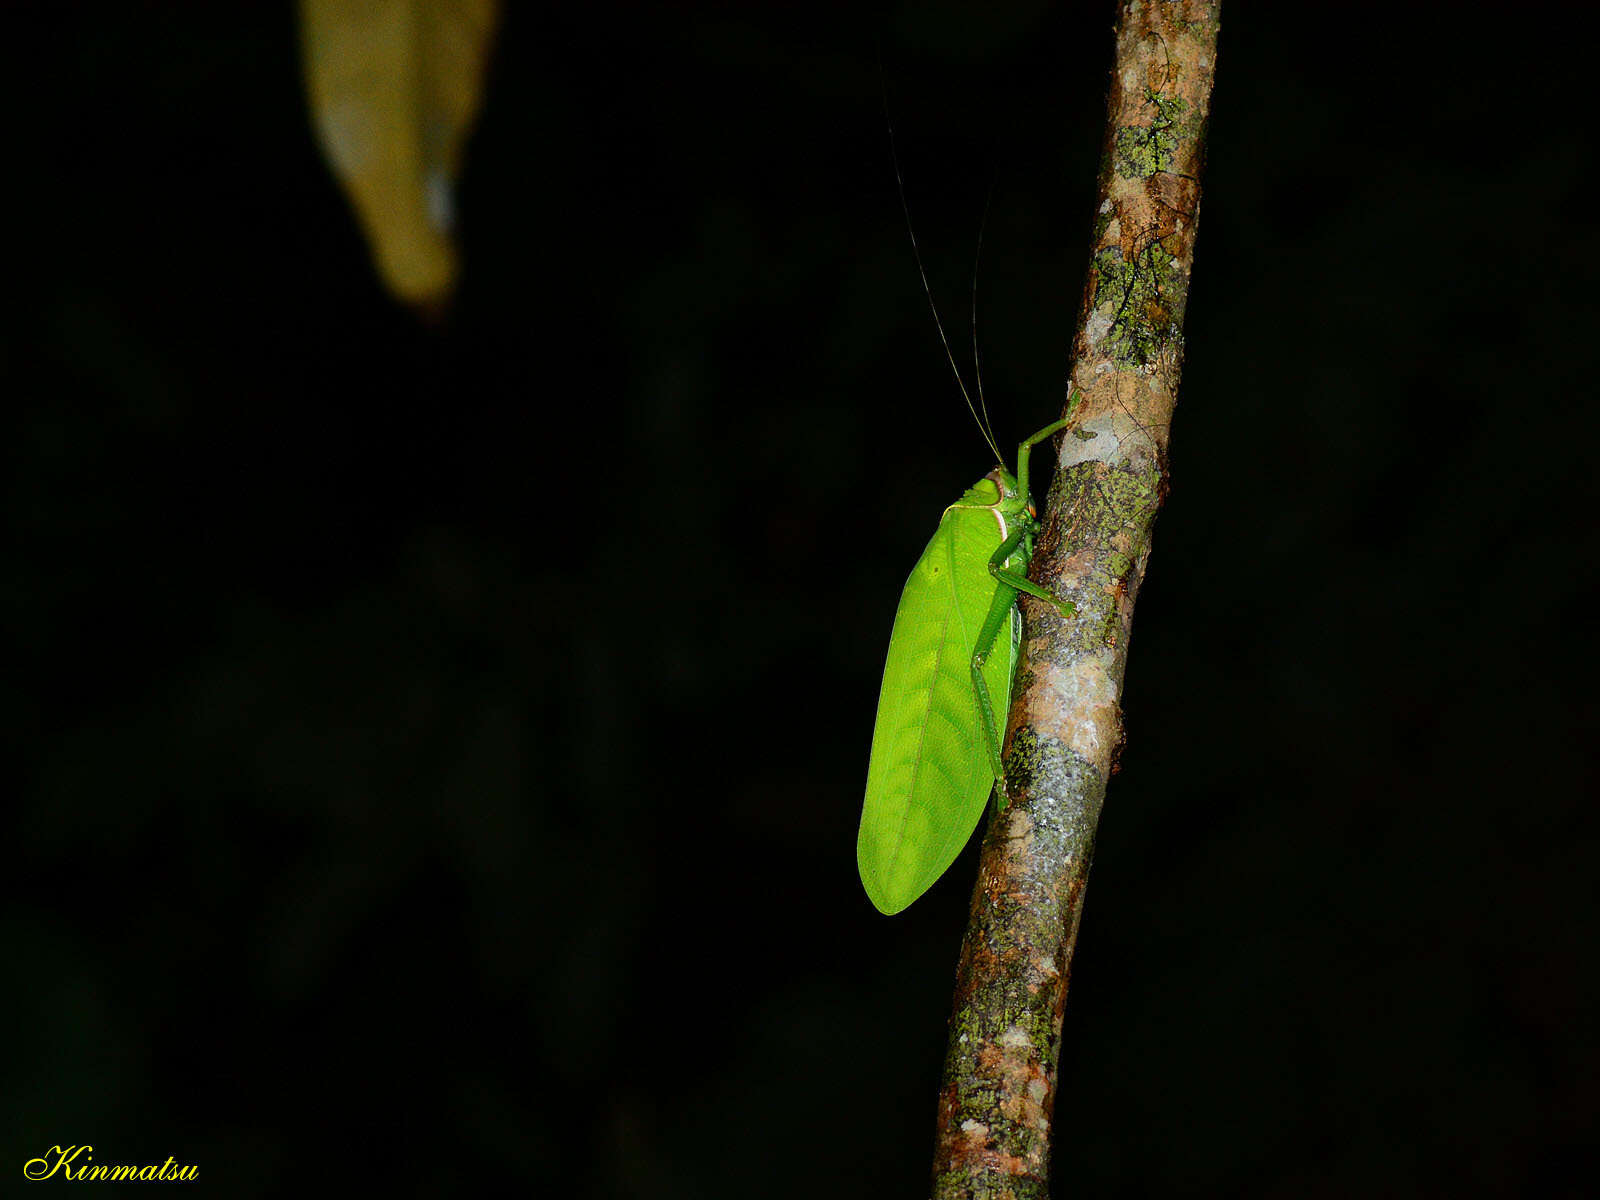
x: 998, y: 616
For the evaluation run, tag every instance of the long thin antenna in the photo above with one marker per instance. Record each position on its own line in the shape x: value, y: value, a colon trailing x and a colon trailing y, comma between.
x: 977, y: 358
x: 928, y: 291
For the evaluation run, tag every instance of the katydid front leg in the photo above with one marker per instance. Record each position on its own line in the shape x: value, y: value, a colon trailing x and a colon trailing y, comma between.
x: 1025, y: 450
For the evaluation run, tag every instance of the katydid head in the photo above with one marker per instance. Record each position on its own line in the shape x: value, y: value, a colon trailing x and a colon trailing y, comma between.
x: 994, y: 490
x: 999, y: 490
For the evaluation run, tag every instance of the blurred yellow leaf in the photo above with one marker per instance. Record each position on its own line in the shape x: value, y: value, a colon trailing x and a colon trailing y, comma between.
x: 394, y: 86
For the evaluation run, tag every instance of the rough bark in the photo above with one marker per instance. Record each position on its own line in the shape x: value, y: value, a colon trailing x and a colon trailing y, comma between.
x: 1064, y: 729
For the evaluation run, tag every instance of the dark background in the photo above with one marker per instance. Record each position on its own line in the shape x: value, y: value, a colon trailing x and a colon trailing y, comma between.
x: 438, y: 750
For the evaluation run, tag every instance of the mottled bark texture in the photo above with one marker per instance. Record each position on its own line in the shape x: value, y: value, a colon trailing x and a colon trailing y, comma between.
x: 1065, y: 723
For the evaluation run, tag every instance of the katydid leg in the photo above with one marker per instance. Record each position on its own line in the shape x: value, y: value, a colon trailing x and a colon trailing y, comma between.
x: 1026, y: 448
x: 1019, y: 582
x: 1009, y: 583
x: 998, y: 616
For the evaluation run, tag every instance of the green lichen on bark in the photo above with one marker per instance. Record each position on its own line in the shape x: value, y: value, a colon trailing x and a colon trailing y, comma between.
x: 1022, y: 758
x: 1113, y: 499
x: 1132, y: 309
x: 1112, y: 521
x: 1145, y: 150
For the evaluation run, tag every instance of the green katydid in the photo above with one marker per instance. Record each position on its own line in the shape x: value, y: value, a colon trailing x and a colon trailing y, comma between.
x: 936, y: 743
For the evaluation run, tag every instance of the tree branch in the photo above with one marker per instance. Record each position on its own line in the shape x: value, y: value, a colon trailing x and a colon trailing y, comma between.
x: 1065, y: 724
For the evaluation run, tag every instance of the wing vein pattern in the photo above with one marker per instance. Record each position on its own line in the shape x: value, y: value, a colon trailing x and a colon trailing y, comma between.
x: 929, y: 775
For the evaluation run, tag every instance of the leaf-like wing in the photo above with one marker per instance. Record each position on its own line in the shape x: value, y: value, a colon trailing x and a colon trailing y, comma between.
x: 929, y: 774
